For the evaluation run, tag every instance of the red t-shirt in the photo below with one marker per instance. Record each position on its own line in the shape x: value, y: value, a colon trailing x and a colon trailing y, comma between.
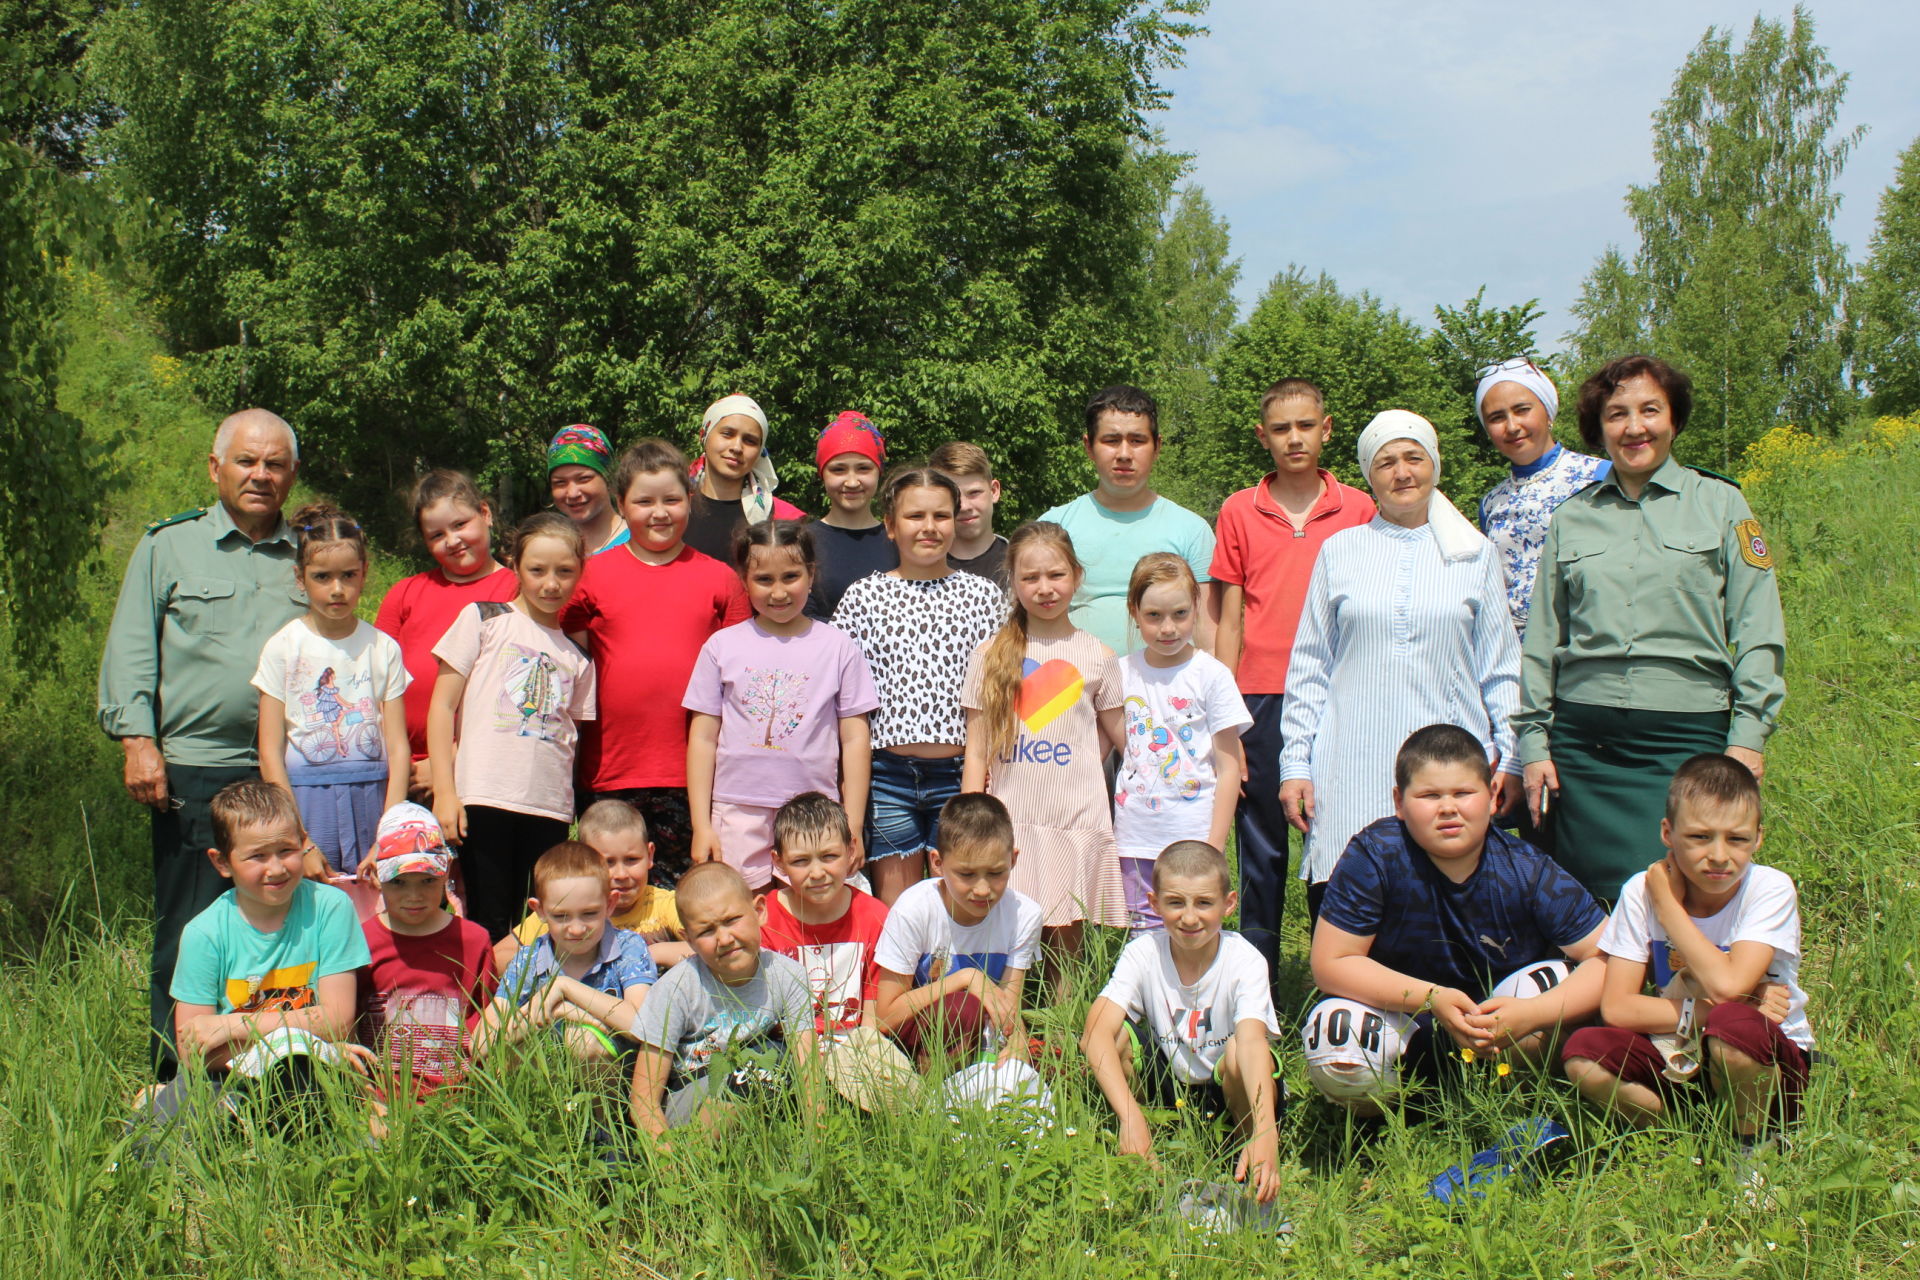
x: 422, y: 997
x: 646, y: 623
x: 1257, y: 549
x: 417, y: 612
x: 839, y: 959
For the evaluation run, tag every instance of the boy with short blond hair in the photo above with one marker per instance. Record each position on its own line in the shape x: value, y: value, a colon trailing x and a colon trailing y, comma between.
x: 1188, y: 1019
x: 717, y: 1025
x: 976, y: 547
x: 617, y: 831
x: 579, y: 971
x: 1266, y: 540
x: 1717, y: 936
x: 1425, y: 913
x: 814, y: 916
x: 266, y: 974
x: 957, y: 947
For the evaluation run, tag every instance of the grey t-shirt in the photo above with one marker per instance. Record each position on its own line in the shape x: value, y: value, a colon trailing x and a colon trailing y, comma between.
x: 695, y: 1016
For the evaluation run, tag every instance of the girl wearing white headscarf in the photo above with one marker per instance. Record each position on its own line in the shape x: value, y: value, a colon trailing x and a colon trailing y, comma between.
x: 1517, y: 402
x: 733, y: 478
x: 1405, y: 626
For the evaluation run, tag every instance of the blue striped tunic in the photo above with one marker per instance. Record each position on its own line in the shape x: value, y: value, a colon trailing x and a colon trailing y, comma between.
x: 1393, y: 638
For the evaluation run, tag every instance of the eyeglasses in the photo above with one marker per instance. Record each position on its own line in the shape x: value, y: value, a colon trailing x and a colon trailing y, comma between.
x: 1516, y: 364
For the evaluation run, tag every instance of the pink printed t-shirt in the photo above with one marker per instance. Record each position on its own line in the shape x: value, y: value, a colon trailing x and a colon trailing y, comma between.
x: 416, y: 612
x: 528, y: 686
x: 780, y: 700
x: 843, y: 975
x: 1257, y: 549
x: 647, y: 623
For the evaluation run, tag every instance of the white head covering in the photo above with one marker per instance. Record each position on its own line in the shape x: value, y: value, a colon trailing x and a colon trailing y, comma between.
x: 1527, y: 374
x: 1458, y: 539
x: 756, y: 489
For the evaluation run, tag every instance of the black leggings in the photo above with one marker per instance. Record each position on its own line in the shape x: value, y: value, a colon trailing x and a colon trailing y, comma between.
x: 498, y: 859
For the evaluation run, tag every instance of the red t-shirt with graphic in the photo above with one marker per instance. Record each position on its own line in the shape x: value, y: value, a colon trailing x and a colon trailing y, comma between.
x: 421, y: 997
x: 842, y: 974
x: 416, y: 612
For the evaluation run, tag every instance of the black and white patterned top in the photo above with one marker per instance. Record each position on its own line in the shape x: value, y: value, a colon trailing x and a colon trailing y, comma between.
x: 917, y: 635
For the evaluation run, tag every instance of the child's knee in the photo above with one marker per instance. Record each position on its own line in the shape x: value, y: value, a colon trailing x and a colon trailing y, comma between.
x: 1354, y: 1050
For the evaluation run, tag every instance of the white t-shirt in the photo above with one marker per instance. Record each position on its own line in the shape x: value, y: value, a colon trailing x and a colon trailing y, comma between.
x: 1765, y: 908
x: 1193, y: 1024
x: 1165, y: 789
x: 922, y: 939
x: 334, y: 691
x: 528, y: 686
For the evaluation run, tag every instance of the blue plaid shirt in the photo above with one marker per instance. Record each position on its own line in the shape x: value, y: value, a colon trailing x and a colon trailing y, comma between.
x: 622, y: 961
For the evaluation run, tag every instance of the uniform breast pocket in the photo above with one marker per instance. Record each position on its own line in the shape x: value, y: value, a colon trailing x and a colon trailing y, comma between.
x: 1582, y: 568
x: 1691, y: 562
x: 202, y: 606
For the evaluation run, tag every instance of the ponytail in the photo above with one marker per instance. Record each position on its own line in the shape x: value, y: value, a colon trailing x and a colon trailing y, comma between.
x: 1002, y: 668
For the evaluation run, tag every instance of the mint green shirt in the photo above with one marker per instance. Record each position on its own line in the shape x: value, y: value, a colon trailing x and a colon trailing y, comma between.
x: 199, y: 601
x: 1667, y: 602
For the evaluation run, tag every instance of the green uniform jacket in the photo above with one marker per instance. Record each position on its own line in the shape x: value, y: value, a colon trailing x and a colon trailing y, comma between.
x: 1664, y: 603
x: 199, y: 601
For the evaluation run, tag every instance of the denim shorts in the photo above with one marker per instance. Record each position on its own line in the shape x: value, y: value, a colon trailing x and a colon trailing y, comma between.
x: 904, y: 804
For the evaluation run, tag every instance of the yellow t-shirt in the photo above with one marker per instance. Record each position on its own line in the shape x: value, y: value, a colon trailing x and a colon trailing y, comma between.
x: 653, y: 916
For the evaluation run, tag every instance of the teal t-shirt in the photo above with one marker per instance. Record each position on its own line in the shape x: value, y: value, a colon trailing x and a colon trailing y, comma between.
x: 227, y: 963
x: 1109, y: 543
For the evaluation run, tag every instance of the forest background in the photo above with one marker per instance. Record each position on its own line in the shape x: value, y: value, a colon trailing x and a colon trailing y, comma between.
x: 429, y: 234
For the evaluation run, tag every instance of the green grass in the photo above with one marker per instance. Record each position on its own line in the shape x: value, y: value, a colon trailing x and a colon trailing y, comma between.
x: 499, y: 1180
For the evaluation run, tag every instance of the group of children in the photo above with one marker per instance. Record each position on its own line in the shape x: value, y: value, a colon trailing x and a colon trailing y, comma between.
x: 742, y: 737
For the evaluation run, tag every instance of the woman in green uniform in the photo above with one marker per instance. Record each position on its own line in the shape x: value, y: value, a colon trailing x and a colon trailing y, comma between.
x: 1655, y: 632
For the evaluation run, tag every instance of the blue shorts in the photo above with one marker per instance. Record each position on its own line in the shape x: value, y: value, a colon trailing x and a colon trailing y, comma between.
x: 903, y: 806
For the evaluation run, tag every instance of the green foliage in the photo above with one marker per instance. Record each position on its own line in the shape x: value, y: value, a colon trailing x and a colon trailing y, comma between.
x: 1886, y: 300
x: 1465, y: 340
x: 1364, y: 355
x: 1737, y: 278
x: 432, y: 234
x: 51, y: 481
x: 1191, y: 280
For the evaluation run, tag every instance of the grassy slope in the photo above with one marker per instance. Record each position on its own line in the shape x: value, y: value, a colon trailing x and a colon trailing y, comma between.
x: 499, y: 1182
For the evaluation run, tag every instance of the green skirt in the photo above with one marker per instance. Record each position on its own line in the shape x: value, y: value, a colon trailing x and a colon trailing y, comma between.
x: 1614, y: 765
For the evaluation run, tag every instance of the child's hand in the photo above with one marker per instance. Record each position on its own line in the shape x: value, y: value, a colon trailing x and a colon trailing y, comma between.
x: 1666, y: 887
x: 1773, y: 1000
x: 1259, y: 1167
x: 1451, y: 1009
x: 368, y: 872
x: 452, y: 816
x: 705, y: 846
x: 313, y: 864
x: 1001, y: 1004
x: 1502, y: 1021
x: 1136, y: 1139
x: 203, y: 1036
x: 420, y: 782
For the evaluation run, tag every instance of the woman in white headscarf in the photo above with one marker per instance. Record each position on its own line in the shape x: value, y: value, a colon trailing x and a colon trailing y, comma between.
x: 733, y: 478
x: 1405, y: 626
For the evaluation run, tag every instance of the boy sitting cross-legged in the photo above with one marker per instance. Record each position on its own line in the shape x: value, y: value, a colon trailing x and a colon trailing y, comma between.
x: 265, y: 978
x: 580, y: 971
x: 430, y: 978
x: 716, y: 1025
x: 957, y: 947
x: 1718, y: 935
x: 1188, y: 1017
x: 617, y: 831
x: 1424, y: 913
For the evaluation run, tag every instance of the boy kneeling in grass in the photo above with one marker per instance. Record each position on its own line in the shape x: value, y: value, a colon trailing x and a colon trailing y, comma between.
x: 1718, y: 936
x: 716, y: 1025
x: 957, y: 947
x: 265, y: 982
x: 576, y: 976
x: 1187, y: 1019
x: 1424, y: 913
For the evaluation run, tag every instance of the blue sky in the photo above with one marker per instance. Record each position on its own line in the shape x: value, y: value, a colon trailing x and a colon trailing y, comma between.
x: 1420, y: 150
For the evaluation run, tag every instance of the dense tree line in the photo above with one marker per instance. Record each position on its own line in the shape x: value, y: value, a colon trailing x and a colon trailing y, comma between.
x: 431, y: 233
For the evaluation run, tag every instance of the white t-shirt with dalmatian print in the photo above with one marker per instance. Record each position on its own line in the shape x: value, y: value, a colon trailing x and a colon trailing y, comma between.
x: 917, y: 634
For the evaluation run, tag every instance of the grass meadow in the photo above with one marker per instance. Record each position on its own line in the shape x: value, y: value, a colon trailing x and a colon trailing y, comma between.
x: 498, y: 1179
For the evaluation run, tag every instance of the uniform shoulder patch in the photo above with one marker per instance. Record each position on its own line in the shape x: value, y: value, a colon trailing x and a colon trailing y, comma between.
x: 1753, y: 547
x: 182, y: 518
x: 1714, y: 475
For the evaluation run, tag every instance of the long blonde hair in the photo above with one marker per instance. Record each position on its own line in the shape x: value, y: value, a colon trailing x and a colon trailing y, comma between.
x: 1001, y: 670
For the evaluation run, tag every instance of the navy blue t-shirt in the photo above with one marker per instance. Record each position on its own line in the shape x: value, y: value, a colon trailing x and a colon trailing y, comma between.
x: 844, y: 557
x: 1517, y: 908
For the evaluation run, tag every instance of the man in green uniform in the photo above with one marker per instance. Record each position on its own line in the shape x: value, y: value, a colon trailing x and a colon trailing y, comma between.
x: 203, y: 592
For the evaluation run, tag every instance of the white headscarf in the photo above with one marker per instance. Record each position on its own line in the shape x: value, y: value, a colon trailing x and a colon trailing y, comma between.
x: 1458, y: 539
x: 1527, y: 374
x: 757, y: 486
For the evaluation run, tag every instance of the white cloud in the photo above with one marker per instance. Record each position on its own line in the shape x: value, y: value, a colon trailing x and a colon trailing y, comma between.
x: 1421, y: 150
